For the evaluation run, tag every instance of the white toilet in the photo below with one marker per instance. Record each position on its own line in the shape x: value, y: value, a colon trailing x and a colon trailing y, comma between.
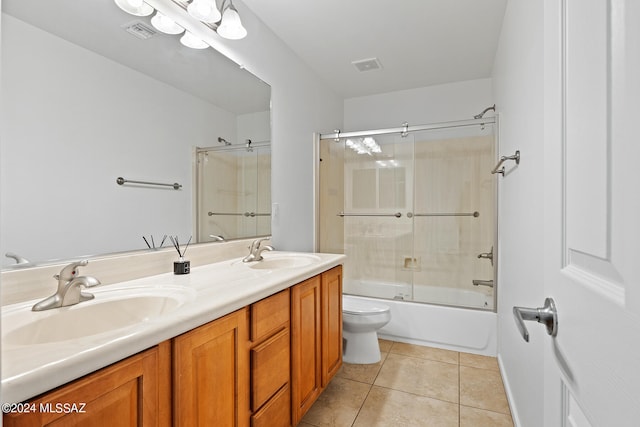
x: 360, y: 321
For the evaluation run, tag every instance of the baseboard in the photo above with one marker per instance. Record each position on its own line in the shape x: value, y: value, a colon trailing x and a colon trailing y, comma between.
x: 507, y: 389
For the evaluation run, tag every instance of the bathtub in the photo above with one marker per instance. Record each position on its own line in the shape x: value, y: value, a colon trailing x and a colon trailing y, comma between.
x: 451, y: 328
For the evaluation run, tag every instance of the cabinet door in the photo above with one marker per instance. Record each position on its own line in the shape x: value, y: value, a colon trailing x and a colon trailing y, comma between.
x: 306, y: 349
x: 331, y: 323
x: 211, y: 376
x: 133, y: 392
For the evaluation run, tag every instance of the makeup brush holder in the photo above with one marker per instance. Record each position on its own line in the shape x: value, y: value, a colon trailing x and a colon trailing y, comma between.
x: 181, y: 266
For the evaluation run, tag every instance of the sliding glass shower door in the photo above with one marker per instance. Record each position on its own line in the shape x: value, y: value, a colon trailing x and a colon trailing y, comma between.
x: 454, y: 217
x: 234, y: 192
x: 378, y: 235
x: 412, y: 213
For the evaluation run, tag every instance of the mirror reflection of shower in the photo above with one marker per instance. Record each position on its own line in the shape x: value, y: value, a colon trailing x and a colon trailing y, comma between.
x: 233, y: 199
x: 414, y: 211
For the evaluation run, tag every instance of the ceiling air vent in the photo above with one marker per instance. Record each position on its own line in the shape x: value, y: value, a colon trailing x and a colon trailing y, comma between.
x: 367, y: 64
x: 139, y: 29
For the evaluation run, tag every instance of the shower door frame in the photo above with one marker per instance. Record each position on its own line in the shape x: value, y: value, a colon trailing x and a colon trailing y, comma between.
x: 404, y: 130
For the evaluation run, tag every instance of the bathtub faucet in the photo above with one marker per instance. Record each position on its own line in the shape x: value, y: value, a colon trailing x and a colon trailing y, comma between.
x: 487, y: 255
x: 488, y: 283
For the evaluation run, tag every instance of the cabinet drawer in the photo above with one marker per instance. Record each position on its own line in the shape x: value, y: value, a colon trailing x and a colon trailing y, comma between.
x: 276, y: 412
x: 269, y: 368
x: 269, y: 315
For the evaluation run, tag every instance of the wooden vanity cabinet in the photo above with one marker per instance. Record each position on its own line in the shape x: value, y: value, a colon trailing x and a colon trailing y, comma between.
x: 316, y: 338
x: 270, y: 361
x: 261, y: 366
x: 211, y: 373
x: 133, y: 392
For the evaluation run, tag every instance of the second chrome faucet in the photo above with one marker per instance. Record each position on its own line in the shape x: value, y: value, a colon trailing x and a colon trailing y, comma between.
x: 70, y: 286
x: 255, y: 250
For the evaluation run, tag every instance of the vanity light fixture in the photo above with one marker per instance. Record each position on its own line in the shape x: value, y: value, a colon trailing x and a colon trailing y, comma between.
x: 205, y: 11
x: 165, y: 24
x: 230, y: 26
x: 189, y: 40
x: 224, y: 20
x: 135, y: 7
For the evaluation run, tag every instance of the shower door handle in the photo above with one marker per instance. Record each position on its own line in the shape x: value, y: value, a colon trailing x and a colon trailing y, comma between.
x: 546, y: 315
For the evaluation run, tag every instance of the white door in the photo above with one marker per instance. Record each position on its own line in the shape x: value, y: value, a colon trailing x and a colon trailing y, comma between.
x: 592, y: 212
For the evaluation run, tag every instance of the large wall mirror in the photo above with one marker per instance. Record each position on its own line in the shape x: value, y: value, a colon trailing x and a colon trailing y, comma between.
x: 86, y: 98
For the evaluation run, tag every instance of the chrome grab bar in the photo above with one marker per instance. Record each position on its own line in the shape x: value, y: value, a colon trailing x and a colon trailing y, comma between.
x: 503, y: 159
x: 121, y: 181
x: 473, y: 214
x: 343, y: 214
x: 251, y: 214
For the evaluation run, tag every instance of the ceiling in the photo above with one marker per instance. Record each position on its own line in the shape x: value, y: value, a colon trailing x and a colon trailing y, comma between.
x: 418, y: 42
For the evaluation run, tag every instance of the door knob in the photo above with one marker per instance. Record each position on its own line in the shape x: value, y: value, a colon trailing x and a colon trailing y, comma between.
x: 546, y: 315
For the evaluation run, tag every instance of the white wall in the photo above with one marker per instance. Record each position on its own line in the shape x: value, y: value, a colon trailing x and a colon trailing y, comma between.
x: 71, y: 116
x: 254, y: 126
x: 518, y: 87
x: 301, y: 105
x: 432, y: 104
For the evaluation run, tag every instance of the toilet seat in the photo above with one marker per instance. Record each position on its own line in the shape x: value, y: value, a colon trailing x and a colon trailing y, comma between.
x: 352, y: 306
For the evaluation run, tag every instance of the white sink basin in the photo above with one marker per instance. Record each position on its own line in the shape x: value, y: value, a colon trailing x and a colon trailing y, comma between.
x: 277, y: 261
x: 111, y: 310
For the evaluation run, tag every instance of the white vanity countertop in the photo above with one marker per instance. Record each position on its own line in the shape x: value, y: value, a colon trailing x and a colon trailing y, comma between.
x: 213, y: 291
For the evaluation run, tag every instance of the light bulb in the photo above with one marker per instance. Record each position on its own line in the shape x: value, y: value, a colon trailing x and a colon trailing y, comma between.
x: 231, y: 27
x: 166, y: 25
x: 189, y: 40
x: 204, y: 10
x: 135, y: 7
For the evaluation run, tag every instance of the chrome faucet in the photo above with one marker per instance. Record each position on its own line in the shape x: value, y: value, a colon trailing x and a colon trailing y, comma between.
x: 217, y: 237
x: 69, y: 288
x: 255, y: 250
x: 19, y: 259
x: 487, y: 255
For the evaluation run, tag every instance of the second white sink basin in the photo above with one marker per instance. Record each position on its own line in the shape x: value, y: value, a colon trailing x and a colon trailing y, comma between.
x: 111, y: 310
x: 278, y: 261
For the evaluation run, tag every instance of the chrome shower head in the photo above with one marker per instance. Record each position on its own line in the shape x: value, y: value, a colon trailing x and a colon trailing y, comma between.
x: 481, y: 115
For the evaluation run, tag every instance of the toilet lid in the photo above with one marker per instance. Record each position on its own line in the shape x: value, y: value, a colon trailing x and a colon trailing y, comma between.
x: 355, y: 306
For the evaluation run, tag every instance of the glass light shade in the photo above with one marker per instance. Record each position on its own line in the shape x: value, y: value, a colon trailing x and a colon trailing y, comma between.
x: 135, y: 7
x: 231, y: 28
x: 166, y: 25
x: 189, y: 40
x: 204, y: 10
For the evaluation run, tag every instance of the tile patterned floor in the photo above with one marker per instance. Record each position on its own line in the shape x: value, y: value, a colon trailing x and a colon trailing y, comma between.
x: 414, y: 386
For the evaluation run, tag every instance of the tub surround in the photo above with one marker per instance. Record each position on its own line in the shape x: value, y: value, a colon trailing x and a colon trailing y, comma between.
x: 215, y: 289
